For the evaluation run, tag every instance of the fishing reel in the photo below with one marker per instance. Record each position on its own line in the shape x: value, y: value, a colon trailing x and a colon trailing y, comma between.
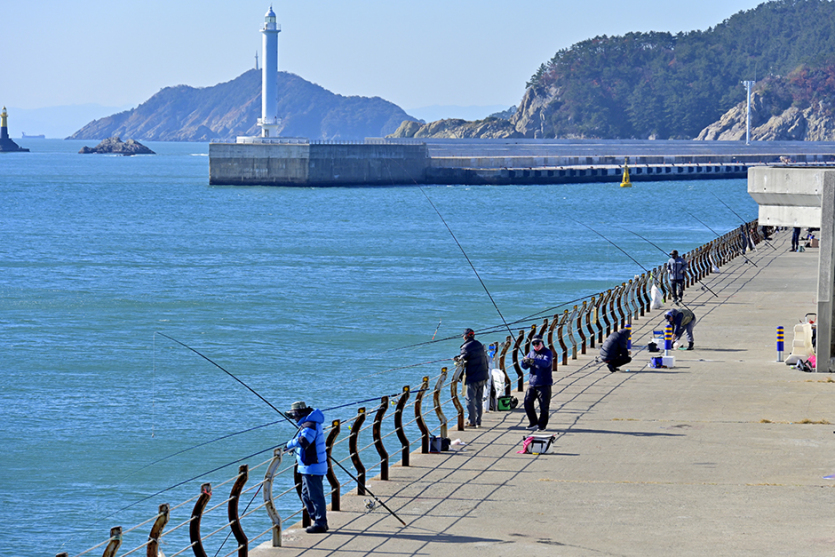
x: 370, y: 505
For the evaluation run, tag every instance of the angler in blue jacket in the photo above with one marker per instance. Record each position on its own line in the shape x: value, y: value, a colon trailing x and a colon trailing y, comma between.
x: 312, y: 458
x: 540, y: 361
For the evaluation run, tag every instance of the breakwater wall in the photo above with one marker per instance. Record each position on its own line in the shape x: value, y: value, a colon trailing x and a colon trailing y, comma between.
x: 572, y: 329
x: 299, y: 162
x: 312, y: 164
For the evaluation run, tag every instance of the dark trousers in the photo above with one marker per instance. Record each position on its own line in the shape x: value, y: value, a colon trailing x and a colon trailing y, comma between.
x: 313, y: 497
x: 795, y: 238
x: 618, y: 361
x: 543, y: 395
x: 678, y: 289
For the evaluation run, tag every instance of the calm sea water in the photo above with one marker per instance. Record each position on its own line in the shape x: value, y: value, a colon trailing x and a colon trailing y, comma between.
x: 300, y: 292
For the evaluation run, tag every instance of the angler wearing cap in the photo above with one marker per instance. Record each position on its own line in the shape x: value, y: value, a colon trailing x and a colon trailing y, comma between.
x: 312, y: 458
x: 677, y: 267
x: 476, y: 373
x: 683, y: 321
x: 540, y: 361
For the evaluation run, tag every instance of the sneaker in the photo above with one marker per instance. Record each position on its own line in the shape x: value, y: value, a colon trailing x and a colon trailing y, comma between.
x: 612, y: 368
x: 470, y: 424
x: 541, y: 429
x: 533, y: 427
x: 690, y: 346
x: 316, y: 529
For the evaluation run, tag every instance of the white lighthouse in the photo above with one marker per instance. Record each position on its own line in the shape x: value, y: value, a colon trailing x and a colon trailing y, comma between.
x: 269, y: 76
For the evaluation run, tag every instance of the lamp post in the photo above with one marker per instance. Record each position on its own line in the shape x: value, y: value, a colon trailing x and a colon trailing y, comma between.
x: 748, y: 85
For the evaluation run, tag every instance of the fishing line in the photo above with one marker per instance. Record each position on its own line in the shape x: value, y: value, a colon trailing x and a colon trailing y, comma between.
x: 664, y: 252
x: 644, y: 239
x: 364, y: 377
x: 490, y: 330
x: 204, y: 444
x: 169, y: 488
x: 611, y: 242
x: 224, y: 371
x: 280, y: 413
x: 468, y: 260
x: 718, y: 236
x: 154, y: 388
x: 226, y: 539
x: 742, y: 219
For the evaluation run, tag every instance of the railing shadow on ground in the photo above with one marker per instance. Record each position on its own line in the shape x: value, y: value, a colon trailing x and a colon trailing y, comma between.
x: 569, y: 335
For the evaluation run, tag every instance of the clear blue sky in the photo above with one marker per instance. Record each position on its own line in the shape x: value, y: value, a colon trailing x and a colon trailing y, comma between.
x: 413, y: 53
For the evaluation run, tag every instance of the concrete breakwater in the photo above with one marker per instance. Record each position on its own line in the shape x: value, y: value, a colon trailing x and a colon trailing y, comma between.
x: 299, y: 162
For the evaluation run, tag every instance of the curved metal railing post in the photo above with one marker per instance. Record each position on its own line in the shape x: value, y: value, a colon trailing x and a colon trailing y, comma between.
x: 436, y: 401
x: 196, y: 517
x: 336, y: 489
x: 453, y: 391
x: 583, y: 313
x: 571, y: 338
x: 520, y: 386
x: 115, y: 542
x: 377, y: 432
x: 353, y: 440
x: 563, y: 347
x: 398, y: 426
x: 605, y: 306
x: 550, y: 341
x: 620, y: 316
x: 152, y: 549
x: 508, y: 384
x: 232, y: 511
x: 633, y: 298
x: 424, y: 431
x: 528, y: 338
x: 269, y: 476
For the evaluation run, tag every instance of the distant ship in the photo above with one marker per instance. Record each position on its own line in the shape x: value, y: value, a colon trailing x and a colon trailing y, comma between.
x: 24, y: 136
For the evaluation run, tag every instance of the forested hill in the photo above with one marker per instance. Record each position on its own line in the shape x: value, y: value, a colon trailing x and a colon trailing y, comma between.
x: 226, y: 110
x: 666, y: 86
x: 672, y: 86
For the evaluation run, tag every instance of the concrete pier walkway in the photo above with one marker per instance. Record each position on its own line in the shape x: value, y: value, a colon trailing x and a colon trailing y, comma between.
x: 711, y: 457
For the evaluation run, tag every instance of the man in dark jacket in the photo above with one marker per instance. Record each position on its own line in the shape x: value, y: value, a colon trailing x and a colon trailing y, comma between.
x: 615, y: 349
x: 677, y: 268
x: 476, y: 373
x: 312, y: 458
x: 540, y: 361
x: 683, y: 322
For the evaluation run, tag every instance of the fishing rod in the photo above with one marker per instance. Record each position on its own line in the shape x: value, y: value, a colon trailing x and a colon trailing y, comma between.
x: 740, y: 218
x: 468, y: 259
x: 719, y: 236
x: 614, y: 244
x: 664, y: 252
x: 283, y: 415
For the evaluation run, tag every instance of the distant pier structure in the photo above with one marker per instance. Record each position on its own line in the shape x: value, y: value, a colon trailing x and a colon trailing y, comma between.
x: 6, y: 143
x: 270, y: 160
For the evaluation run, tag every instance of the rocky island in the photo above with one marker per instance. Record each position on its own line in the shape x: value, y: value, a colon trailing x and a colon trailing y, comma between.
x: 115, y: 146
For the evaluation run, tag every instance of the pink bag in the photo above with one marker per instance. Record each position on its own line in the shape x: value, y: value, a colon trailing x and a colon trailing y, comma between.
x: 812, y: 361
